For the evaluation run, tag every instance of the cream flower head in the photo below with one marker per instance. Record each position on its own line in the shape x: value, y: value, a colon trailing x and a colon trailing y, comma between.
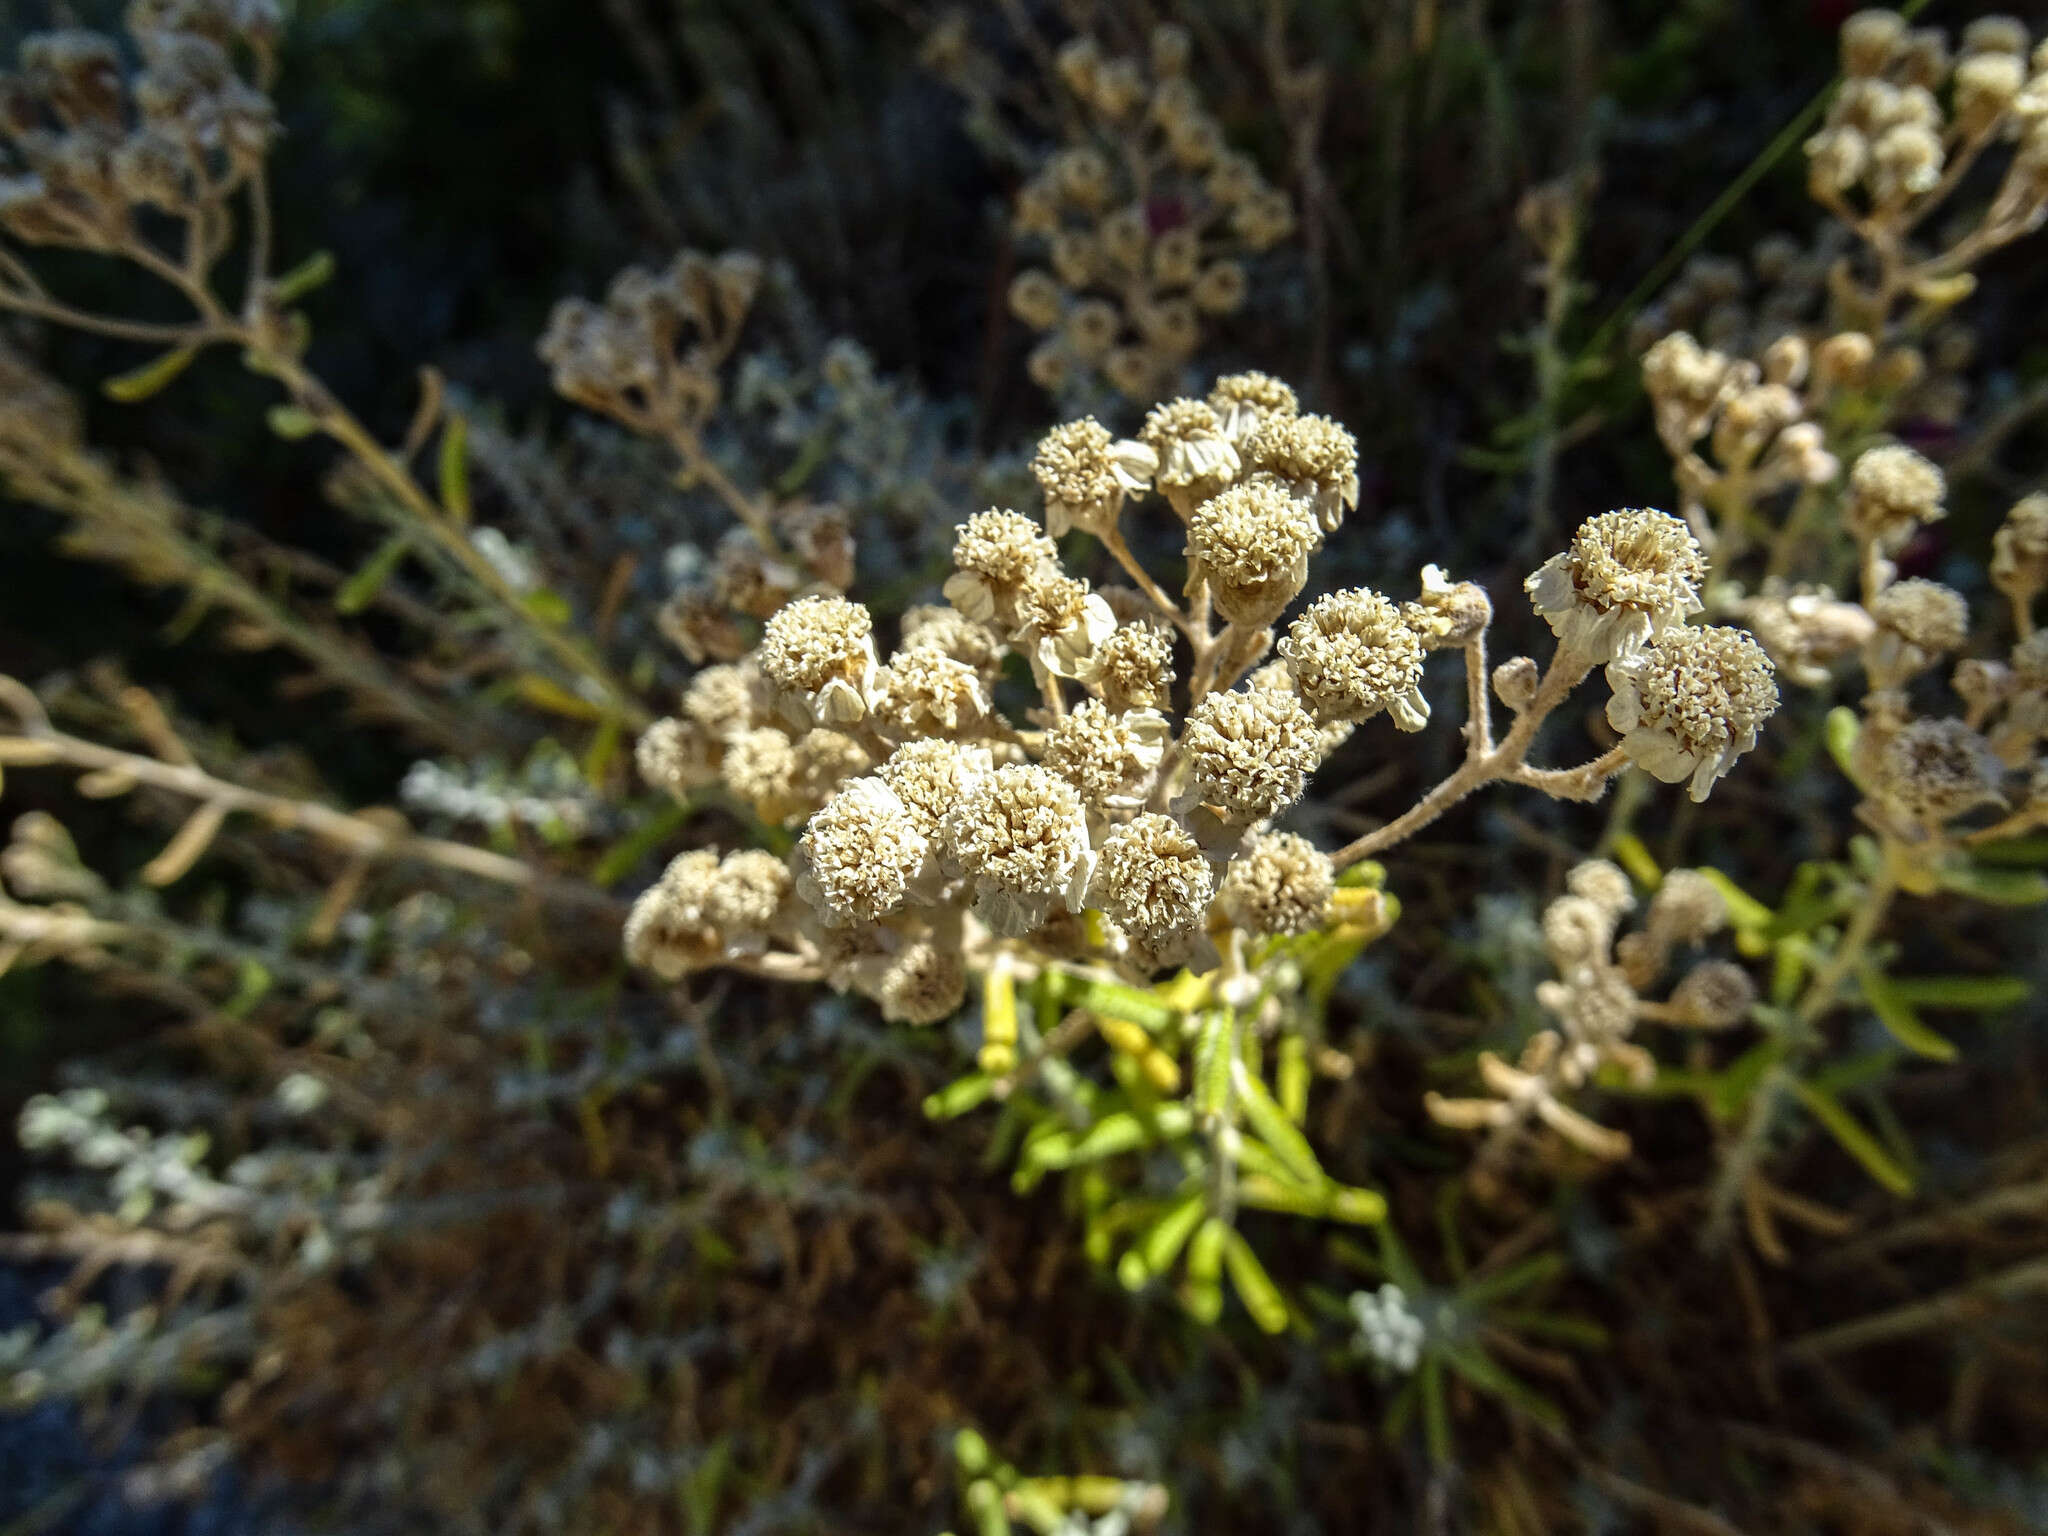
x: 930, y: 775
x: 1250, y: 752
x: 1352, y: 655
x: 1690, y: 703
x: 1132, y: 668
x: 1021, y: 836
x: 1892, y: 491
x: 1251, y: 543
x: 996, y: 555
x: 861, y: 855
x: 1628, y: 577
x: 925, y: 692
x: 1153, y: 879
x: 1278, y: 884
x: 1314, y: 457
x: 1918, y: 623
x: 819, y: 655
x: 668, y: 931
x: 1063, y: 620
x: 1085, y: 474
x: 1244, y: 402
x: 1194, y: 453
x: 1109, y: 757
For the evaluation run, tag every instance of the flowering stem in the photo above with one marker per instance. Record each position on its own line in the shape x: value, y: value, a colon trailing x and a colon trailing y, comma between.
x: 429, y: 520
x: 1478, y: 708
x: 699, y: 465
x: 38, y: 741
x: 1113, y: 541
x: 1568, y: 668
x: 1048, y: 688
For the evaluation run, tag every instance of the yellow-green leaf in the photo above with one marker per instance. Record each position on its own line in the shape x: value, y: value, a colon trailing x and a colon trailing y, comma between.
x: 545, y: 693
x: 304, y: 278
x: 551, y: 608
x: 1843, y: 728
x: 141, y: 383
x: 1744, y: 910
x: 361, y: 589
x: 1899, y: 1019
x: 1979, y: 994
x: 1631, y: 855
x: 1853, y: 1138
x: 1255, y: 1288
x: 455, y: 468
x: 292, y: 422
x: 959, y: 1096
x: 2000, y: 887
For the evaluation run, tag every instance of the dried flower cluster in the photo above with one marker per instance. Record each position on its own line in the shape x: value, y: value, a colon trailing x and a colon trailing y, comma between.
x: 1143, y: 219
x: 1597, y: 1000
x: 1104, y: 827
x: 90, y: 149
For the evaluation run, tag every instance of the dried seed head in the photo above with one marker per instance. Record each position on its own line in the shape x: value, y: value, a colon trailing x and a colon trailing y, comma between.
x: 676, y: 756
x: 1278, y: 884
x: 1315, y: 458
x: 1628, y: 576
x: 1351, y: 655
x: 1892, y: 490
x: 1132, y: 667
x: 996, y: 556
x: 1250, y: 752
x: 1689, y: 704
x: 1109, y: 757
x: 1687, y: 908
x: 1252, y: 543
x: 1021, y: 835
x: 1715, y: 994
x: 1153, y: 879
x: 2019, y: 550
x: 923, y: 982
x: 819, y: 655
x: 861, y: 855
x: 1918, y: 623
x: 1929, y: 772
